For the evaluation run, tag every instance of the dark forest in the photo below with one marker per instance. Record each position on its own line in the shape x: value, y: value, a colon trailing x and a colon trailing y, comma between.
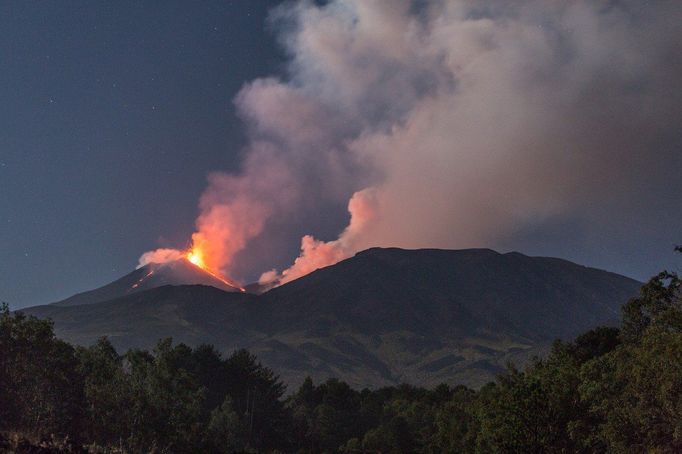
x: 609, y: 390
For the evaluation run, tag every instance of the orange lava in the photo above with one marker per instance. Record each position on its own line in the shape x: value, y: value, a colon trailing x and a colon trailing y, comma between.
x: 137, y: 284
x: 196, y: 257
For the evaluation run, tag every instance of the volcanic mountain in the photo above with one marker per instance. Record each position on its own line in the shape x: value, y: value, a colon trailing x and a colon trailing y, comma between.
x: 382, y: 317
x: 152, y: 275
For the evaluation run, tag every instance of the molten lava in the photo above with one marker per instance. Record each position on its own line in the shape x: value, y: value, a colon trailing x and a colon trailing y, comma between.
x: 196, y: 257
x: 137, y: 284
x: 200, y: 256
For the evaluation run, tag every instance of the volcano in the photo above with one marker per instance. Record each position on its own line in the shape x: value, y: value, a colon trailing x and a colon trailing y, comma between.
x: 382, y: 317
x: 152, y: 275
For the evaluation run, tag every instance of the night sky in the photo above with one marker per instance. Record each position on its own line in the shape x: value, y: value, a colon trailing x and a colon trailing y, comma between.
x: 114, y: 113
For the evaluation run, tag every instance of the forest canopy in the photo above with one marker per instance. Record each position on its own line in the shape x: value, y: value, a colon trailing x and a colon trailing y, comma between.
x: 609, y: 390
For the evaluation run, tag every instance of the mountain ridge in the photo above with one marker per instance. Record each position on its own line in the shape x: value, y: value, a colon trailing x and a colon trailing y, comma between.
x: 384, y: 316
x: 152, y: 275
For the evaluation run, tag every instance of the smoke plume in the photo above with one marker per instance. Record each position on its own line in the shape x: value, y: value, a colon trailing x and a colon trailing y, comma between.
x: 447, y: 124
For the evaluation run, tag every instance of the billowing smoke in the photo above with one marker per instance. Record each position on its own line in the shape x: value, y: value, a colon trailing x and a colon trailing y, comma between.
x: 160, y: 256
x: 317, y: 254
x: 448, y: 124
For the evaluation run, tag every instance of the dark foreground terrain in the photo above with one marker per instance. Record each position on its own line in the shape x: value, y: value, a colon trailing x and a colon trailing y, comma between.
x: 609, y: 390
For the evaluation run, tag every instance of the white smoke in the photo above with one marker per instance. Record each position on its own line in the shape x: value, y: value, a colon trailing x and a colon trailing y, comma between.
x: 454, y: 123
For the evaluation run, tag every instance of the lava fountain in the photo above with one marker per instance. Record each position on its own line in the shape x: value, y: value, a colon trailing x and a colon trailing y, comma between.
x: 195, y: 256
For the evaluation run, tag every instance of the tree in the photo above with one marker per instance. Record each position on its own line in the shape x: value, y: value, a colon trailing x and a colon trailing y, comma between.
x: 40, y: 387
x: 335, y: 418
x: 167, y: 401
x: 108, y: 394
x: 226, y: 432
x: 256, y: 394
x: 658, y: 304
x: 635, y: 391
x: 456, y: 424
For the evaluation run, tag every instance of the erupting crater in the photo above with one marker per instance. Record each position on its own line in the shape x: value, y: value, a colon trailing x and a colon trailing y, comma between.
x: 188, y: 270
x: 195, y: 257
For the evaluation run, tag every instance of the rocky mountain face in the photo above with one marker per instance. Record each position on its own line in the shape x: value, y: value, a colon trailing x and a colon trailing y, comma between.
x: 153, y: 275
x: 382, y: 317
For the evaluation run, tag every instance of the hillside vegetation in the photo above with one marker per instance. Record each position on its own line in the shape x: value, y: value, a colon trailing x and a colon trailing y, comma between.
x: 610, y: 390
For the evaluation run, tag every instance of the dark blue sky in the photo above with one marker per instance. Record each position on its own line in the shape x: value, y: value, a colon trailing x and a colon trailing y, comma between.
x: 113, y: 113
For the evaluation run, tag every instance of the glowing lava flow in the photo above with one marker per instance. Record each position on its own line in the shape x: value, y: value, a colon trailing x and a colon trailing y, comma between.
x: 137, y: 284
x: 196, y: 257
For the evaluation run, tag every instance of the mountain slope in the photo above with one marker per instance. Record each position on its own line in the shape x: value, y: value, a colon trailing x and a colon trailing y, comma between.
x: 446, y: 292
x: 190, y: 314
x: 381, y: 317
x: 178, y: 272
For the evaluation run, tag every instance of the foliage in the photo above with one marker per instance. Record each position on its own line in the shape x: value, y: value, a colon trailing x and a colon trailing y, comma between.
x: 40, y: 387
x: 610, y: 390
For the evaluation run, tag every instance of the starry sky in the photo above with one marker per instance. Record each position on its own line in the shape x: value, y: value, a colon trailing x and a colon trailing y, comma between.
x: 114, y: 112
x: 561, y: 139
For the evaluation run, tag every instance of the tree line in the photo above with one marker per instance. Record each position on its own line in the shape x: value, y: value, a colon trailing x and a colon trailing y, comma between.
x: 611, y: 390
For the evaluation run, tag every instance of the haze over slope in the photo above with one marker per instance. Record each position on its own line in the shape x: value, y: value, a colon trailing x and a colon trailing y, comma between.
x: 383, y: 316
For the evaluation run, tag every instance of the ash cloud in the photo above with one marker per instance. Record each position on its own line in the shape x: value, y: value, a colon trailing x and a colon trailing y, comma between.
x: 450, y: 124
